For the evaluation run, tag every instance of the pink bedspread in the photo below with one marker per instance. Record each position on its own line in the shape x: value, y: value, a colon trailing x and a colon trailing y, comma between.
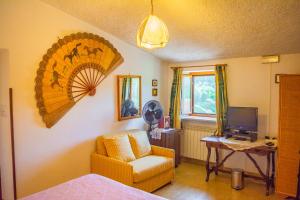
x: 92, y: 187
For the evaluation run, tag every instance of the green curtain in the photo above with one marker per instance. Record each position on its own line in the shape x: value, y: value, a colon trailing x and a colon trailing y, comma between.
x: 125, y: 89
x: 174, y: 111
x: 221, y: 98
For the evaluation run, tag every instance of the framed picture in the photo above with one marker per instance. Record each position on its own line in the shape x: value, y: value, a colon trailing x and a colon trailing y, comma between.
x: 129, y: 105
x: 154, y: 92
x: 154, y: 82
x: 167, y: 122
x: 164, y: 122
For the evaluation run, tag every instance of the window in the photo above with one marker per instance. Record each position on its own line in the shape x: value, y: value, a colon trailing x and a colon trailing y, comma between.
x: 199, y: 94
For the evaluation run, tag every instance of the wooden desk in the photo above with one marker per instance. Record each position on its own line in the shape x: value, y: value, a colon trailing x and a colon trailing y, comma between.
x: 269, y: 152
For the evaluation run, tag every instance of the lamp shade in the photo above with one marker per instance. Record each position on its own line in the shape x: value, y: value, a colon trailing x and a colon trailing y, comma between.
x: 152, y: 33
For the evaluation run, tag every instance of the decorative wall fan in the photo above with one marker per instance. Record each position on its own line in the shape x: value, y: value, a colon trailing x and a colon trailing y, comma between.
x: 71, y: 69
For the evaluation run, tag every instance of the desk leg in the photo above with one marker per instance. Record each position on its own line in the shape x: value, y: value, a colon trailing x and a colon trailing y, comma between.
x: 217, y: 161
x: 273, y: 169
x: 207, y: 163
x: 267, y: 177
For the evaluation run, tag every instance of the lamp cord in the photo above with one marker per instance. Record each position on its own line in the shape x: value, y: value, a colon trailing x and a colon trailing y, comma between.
x: 270, y: 99
x: 151, y: 7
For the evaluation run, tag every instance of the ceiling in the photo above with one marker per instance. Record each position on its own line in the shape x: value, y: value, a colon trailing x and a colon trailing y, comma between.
x: 200, y: 29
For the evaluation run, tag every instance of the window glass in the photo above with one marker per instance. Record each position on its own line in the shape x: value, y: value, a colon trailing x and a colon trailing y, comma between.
x: 186, y: 95
x: 204, y: 94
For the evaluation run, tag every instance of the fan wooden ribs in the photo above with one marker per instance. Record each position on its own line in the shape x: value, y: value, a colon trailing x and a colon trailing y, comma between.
x: 72, y: 68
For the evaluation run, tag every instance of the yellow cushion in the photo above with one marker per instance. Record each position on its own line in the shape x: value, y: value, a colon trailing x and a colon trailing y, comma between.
x: 149, y: 166
x: 118, y: 147
x: 100, y: 146
x: 140, y: 144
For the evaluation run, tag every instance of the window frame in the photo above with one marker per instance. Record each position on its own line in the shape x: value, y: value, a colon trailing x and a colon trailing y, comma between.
x: 192, y: 75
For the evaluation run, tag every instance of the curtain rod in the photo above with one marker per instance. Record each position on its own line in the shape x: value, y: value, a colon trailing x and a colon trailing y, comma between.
x: 199, y: 66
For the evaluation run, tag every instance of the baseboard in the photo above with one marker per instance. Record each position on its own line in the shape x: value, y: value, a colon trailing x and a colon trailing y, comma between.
x: 201, y: 162
x: 192, y: 160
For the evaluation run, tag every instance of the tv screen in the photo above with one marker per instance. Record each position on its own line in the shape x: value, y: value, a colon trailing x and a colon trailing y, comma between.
x: 242, y: 118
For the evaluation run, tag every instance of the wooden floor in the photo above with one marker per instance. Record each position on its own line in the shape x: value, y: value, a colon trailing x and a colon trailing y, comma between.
x: 190, y: 184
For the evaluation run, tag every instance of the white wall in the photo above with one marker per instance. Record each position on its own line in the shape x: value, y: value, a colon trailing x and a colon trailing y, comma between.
x: 5, y: 143
x: 249, y: 85
x: 46, y: 157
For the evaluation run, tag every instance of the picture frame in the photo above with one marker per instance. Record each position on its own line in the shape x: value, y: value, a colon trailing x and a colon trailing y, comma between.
x: 154, y: 92
x: 164, y: 122
x: 154, y: 82
x: 167, y: 121
x: 129, y: 95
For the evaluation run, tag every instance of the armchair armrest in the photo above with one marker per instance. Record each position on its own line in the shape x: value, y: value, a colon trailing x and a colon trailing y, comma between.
x: 162, y: 151
x: 112, y: 168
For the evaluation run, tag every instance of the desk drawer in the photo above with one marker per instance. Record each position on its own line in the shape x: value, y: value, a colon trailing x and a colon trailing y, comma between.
x: 257, y: 151
x: 217, y: 145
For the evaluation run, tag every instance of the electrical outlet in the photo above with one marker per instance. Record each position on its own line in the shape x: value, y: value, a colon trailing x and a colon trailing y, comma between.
x: 3, y: 110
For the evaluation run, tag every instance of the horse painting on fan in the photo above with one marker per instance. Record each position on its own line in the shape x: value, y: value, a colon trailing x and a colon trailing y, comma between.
x: 55, y: 76
x: 91, y: 51
x: 70, y: 71
x: 73, y: 53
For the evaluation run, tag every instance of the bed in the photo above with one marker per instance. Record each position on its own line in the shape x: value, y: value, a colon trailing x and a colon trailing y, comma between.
x: 92, y: 187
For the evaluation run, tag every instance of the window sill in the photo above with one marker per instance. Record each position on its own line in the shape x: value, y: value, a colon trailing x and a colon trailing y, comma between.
x: 198, y: 119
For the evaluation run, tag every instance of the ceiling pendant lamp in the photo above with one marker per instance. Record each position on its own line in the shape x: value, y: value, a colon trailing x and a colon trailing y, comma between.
x: 152, y: 33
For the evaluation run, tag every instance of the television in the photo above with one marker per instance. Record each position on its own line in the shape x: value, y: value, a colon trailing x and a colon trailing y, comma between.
x: 243, y: 119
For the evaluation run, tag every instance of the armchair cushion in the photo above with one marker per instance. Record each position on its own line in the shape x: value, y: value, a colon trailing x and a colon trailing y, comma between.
x: 140, y: 144
x: 100, y: 146
x: 149, y: 166
x: 118, y: 147
x: 162, y: 151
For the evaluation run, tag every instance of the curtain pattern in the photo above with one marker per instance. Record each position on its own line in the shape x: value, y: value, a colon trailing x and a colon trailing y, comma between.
x: 221, y: 98
x: 174, y: 111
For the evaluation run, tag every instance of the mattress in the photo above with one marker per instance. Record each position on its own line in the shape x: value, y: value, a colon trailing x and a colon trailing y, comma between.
x: 92, y: 187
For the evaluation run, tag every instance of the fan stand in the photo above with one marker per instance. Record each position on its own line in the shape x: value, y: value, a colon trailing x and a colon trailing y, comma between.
x: 150, y: 127
x: 149, y: 130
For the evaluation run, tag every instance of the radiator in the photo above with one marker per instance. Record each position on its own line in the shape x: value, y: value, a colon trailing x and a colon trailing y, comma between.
x: 191, y: 147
